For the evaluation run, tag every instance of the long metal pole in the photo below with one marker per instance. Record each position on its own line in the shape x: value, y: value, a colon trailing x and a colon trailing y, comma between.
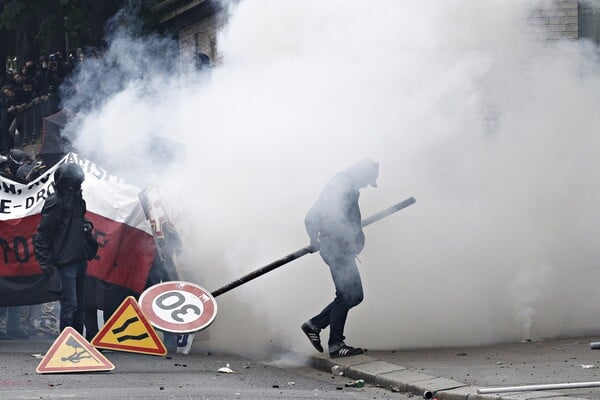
x: 528, y: 388
x: 388, y: 211
x: 305, y: 250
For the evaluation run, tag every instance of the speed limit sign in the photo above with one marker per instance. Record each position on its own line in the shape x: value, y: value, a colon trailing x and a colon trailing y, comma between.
x: 178, y: 307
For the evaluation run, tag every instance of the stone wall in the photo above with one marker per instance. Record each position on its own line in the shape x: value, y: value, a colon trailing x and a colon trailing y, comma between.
x: 201, y: 37
x: 555, y: 19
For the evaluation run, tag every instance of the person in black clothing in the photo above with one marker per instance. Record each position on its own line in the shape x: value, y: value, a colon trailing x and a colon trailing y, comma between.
x: 41, y: 84
x: 10, y: 164
x: 61, y: 242
x: 30, y: 170
x: 334, y: 227
x: 53, y: 78
x: 26, y: 92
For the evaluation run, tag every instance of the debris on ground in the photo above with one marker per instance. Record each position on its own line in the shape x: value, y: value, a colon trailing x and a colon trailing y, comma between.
x: 588, y: 366
x: 337, y: 370
x: 225, y: 369
x: 357, y: 383
x: 37, y: 355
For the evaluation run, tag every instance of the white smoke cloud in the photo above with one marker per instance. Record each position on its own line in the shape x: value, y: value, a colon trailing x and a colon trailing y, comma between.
x: 490, y: 128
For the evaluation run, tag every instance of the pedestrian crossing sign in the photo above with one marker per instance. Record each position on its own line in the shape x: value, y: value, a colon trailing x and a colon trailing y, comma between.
x: 129, y: 330
x: 70, y: 352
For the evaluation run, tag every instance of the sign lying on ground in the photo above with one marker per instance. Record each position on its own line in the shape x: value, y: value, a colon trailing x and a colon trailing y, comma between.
x: 129, y: 330
x: 70, y: 352
x: 178, y: 307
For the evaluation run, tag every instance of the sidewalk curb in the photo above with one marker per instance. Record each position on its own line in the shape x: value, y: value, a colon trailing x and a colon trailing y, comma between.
x: 397, y: 378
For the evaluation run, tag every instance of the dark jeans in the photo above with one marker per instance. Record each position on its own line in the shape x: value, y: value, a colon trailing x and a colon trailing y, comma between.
x: 72, y: 302
x: 348, y: 293
x: 12, y: 318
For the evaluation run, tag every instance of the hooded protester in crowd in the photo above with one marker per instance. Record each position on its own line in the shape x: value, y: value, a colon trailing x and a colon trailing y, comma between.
x: 64, y: 241
x: 334, y: 227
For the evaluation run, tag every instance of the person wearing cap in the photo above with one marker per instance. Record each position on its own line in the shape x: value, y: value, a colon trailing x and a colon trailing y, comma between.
x: 62, y: 242
x: 334, y: 227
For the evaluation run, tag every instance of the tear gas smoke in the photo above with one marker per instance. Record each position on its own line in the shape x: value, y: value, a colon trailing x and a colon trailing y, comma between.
x: 492, y: 130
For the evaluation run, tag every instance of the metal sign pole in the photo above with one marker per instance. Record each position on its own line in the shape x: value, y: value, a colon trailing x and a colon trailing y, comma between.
x: 305, y: 250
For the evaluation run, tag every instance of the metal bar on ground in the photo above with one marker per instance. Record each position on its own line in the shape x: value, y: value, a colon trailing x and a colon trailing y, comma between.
x: 528, y: 388
x: 595, y: 345
x: 305, y: 250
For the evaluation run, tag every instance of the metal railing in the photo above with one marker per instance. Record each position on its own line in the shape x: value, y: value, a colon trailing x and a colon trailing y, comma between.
x: 28, y: 120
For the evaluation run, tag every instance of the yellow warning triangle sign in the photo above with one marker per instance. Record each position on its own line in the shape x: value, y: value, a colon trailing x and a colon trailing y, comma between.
x: 129, y: 330
x: 70, y: 352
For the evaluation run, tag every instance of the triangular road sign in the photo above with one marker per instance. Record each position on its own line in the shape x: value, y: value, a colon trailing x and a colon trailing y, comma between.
x: 70, y: 352
x: 129, y: 330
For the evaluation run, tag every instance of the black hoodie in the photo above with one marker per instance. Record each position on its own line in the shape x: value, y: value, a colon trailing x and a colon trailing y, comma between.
x: 60, y: 238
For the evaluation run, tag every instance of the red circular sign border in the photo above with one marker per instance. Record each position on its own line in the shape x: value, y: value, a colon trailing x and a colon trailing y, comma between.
x: 148, y: 296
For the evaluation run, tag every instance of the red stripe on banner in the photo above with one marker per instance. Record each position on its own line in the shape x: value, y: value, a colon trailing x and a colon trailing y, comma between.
x: 16, y: 247
x: 125, y: 254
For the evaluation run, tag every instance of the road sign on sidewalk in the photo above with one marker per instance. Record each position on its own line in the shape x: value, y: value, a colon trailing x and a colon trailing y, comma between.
x: 129, y: 330
x: 178, y: 307
x: 70, y: 352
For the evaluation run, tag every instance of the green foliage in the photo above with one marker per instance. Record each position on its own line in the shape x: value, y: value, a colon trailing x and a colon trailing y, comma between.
x: 50, y: 22
x: 12, y: 11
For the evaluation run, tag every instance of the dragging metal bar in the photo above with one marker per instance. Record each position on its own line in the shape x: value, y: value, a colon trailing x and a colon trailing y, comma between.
x: 305, y: 250
x: 529, y: 388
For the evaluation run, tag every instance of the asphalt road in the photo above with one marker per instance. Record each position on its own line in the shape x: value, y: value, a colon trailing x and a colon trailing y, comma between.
x: 177, y: 376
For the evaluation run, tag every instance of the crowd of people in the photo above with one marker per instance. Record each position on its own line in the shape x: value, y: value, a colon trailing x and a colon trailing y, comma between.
x: 21, y: 322
x: 31, y: 83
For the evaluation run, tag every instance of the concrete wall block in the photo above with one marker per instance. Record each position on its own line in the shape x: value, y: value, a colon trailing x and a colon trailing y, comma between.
x: 568, y: 4
x: 552, y: 35
x: 539, y: 29
x: 572, y: 27
x: 542, y: 12
x: 572, y: 13
x: 554, y: 20
x: 568, y: 35
x: 568, y: 20
x: 539, y: 20
x: 557, y: 28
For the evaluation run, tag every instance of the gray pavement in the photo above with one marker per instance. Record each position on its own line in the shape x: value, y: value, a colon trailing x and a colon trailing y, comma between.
x: 176, y: 376
x: 457, y: 373
x: 447, y: 373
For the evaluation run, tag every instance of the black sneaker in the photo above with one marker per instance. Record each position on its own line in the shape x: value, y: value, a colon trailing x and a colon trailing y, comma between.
x: 313, y: 336
x: 346, y: 351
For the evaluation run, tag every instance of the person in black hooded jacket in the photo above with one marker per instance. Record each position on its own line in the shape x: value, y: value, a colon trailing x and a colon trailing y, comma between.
x: 335, y: 230
x: 61, y: 242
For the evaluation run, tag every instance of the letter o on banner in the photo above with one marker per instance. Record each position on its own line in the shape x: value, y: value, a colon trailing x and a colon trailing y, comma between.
x: 19, y: 241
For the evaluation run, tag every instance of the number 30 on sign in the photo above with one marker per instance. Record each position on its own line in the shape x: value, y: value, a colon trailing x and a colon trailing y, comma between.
x: 178, y: 307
